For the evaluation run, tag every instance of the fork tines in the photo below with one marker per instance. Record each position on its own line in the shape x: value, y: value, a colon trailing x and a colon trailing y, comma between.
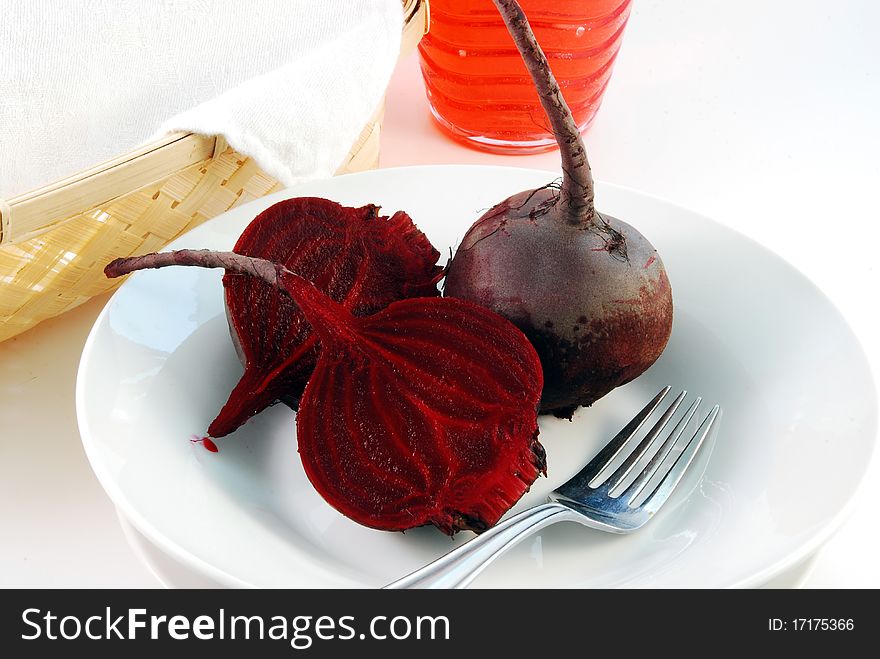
x: 649, y: 470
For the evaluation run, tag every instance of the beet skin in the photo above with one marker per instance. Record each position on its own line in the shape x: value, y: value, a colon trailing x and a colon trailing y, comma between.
x: 595, y: 302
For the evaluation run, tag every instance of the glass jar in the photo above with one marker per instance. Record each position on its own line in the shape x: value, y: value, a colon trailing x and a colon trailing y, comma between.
x: 477, y: 85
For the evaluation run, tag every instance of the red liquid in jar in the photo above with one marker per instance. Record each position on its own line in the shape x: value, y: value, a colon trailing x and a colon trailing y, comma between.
x: 478, y: 87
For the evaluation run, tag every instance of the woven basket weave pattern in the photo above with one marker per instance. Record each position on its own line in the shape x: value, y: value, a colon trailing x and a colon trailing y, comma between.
x: 60, y: 265
x: 63, y: 268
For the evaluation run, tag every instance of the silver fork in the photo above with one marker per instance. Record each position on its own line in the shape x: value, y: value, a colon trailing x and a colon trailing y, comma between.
x: 608, y: 494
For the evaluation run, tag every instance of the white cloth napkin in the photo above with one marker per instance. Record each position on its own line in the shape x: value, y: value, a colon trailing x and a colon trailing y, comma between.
x: 291, y: 83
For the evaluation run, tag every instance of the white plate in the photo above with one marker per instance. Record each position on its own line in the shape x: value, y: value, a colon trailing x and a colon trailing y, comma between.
x: 750, y: 333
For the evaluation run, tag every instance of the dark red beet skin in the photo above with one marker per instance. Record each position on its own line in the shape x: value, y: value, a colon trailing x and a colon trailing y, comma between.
x: 598, y: 318
x: 361, y: 260
x: 422, y: 413
x: 588, y: 290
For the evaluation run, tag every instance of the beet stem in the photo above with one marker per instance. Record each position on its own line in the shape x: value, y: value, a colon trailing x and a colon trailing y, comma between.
x: 330, y: 320
x: 576, y: 193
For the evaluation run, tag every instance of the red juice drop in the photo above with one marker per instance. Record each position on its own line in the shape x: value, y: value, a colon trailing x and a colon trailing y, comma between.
x: 207, y: 442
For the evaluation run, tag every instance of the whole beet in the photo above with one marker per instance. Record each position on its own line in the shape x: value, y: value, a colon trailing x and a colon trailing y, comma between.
x: 588, y: 290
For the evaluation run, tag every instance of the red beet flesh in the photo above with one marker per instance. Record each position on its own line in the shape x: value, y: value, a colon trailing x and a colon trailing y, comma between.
x: 588, y: 290
x: 428, y: 416
x: 359, y: 259
x: 422, y: 413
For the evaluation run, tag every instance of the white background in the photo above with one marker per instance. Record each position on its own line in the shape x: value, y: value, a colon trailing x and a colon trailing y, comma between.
x: 760, y: 114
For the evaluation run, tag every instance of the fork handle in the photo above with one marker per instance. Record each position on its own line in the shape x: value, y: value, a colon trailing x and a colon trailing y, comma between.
x: 461, y: 566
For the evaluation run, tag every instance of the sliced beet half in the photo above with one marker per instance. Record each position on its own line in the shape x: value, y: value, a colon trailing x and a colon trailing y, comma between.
x: 356, y: 257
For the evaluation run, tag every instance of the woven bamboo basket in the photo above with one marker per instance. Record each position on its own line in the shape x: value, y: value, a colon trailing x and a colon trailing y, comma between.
x: 56, y: 240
